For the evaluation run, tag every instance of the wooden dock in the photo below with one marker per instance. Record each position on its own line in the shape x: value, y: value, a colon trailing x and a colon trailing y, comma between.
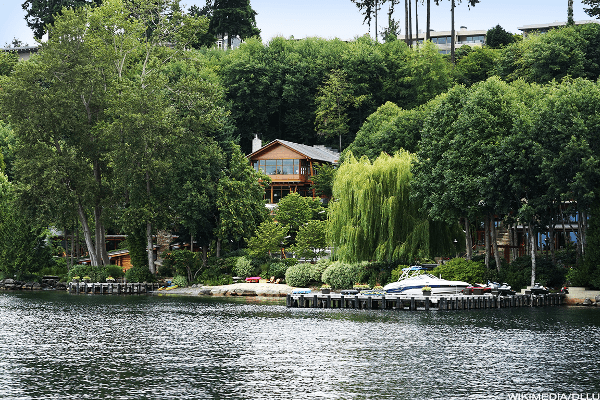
x: 111, y: 288
x: 413, y: 303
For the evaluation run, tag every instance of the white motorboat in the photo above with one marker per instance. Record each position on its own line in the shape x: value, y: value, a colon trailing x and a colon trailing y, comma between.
x: 414, y: 285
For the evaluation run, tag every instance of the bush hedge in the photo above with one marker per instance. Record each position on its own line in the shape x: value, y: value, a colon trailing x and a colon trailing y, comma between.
x: 299, y: 275
x: 343, y: 276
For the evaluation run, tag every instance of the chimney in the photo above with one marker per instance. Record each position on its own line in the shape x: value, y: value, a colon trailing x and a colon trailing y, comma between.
x: 256, y: 143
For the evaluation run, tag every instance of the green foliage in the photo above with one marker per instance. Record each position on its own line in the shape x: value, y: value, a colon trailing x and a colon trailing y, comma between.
x: 396, y: 273
x: 299, y: 275
x: 273, y: 86
x: 377, y: 273
x: 269, y: 239
x: 374, y: 217
x: 343, y: 276
x: 459, y: 269
x: 311, y: 240
x: 318, y: 268
x: 24, y: 249
x: 293, y: 211
x: 139, y: 274
x: 497, y: 37
x: 244, y: 268
x: 232, y: 18
x: 323, y: 180
x: 180, y: 281
x: 8, y: 60
x: 594, y: 10
x: 567, y: 51
x: 277, y: 270
x: 476, y: 66
x: 43, y: 12
x: 389, y: 129
x: 518, y: 273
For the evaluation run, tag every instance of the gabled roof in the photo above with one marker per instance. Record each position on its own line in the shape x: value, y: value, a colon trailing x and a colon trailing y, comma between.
x: 318, y: 153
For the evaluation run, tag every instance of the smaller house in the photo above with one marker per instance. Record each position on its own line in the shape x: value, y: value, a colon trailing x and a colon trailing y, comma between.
x: 290, y: 166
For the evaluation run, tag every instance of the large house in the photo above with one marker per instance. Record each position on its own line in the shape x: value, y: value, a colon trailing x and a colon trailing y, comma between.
x: 289, y: 165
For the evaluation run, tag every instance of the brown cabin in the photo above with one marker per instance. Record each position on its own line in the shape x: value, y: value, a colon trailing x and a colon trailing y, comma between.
x: 289, y: 165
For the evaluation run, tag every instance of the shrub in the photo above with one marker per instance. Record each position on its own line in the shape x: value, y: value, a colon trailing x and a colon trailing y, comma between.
x: 180, y: 280
x: 213, y: 275
x: 139, y: 274
x: 298, y: 275
x: 112, y: 270
x: 459, y: 269
x: 518, y: 273
x: 277, y: 269
x: 342, y: 276
x: 96, y: 274
x: 376, y: 273
x: 318, y: 268
x: 244, y: 268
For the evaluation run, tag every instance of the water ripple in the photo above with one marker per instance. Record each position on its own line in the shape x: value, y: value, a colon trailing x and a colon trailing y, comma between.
x: 57, y: 346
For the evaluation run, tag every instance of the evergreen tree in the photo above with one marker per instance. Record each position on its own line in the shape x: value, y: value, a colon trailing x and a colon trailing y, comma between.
x: 232, y: 18
x: 43, y: 12
x: 497, y: 37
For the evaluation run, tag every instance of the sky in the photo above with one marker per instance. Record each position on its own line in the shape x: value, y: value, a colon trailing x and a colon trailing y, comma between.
x: 342, y: 19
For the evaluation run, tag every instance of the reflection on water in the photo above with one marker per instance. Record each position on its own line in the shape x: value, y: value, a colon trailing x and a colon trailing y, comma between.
x: 60, y: 346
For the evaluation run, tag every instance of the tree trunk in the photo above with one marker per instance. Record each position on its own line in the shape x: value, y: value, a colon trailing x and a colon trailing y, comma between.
x: 204, y: 255
x: 416, y: 23
x: 410, y: 32
x: 376, y: 40
x: 87, y: 234
x: 495, y: 242
x: 453, y: 33
x: 406, y: 22
x: 551, y: 241
x: 150, y: 248
x: 532, y: 253
x: 427, y: 37
x: 468, y: 239
x: 192, y: 243
x: 77, y: 248
x: 218, y: 250
x: 486, y: 225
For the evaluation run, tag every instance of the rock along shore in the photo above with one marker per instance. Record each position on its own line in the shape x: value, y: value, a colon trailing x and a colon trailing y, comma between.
x: 236, y: 289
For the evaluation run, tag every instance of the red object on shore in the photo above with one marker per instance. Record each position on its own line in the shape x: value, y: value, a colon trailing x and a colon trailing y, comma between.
x: 253, y: 279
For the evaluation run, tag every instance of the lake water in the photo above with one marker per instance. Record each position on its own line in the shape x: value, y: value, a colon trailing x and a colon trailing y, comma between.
x: 60, y: 346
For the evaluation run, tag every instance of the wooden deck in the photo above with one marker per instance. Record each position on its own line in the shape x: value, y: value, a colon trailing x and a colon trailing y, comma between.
x: 413, y: 303
x: 111, y: 288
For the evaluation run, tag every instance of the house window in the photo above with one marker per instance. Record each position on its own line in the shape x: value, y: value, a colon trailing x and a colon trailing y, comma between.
x: 277, y: 167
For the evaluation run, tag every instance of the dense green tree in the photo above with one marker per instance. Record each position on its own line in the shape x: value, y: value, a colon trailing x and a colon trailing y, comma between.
x: 293, y: 211
x: 269, y: 238
x: 389, y: 129
x: 232, y: 18
x: 41, y: 13
x: 311, y: 240
x: 323, y: 180
x: 24, y: 248
x: 568, y: 51
x: 497, y: 37
x: 374, y: 218
x: 7, y: 148
x: 8, y: 60
x: 334, y: 99
x: 476, y: 66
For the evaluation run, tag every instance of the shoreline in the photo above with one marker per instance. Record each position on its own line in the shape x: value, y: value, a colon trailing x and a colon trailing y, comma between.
x: 236, y: 289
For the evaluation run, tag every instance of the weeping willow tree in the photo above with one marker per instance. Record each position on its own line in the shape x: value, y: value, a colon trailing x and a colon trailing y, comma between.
x: 373, y: 217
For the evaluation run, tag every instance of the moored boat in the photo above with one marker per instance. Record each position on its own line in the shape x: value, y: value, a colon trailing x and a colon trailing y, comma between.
x: 414, y: 285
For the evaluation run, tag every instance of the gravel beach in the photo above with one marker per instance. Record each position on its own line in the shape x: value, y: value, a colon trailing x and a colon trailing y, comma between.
x: 236, y: 289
